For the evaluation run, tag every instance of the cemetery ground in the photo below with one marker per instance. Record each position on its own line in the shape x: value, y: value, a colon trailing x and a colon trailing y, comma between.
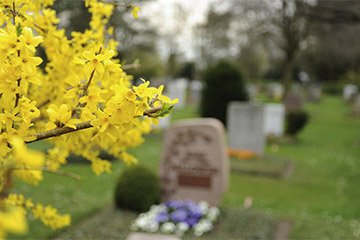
x: 320, y: 198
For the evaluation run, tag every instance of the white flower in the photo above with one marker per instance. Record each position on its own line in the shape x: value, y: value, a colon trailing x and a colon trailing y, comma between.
x: 204, y: 207
x: 153, y: 227
x: 168, y: 227
x: 183, y: 227
x: 142, y: 222
x: 213, y: 213
x: 155, y: 209
x: 202, y: 226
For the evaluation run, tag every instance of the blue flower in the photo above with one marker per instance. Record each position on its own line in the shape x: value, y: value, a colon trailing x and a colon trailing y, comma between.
x: 162, y: 217
x: 192, y: 221
x: 174, y: 204
x: 195, y: 211
x: 179, y: 215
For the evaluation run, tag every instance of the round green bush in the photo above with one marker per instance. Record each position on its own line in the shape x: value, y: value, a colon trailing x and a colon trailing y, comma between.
x: 137, y: 189
x: 295, y: 122
x: 222, y: 83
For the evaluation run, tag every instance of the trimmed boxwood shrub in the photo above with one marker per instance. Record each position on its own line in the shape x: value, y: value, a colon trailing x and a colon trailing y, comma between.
x: 223, y: 83
x: 137, y: 189
x: 295, y: 122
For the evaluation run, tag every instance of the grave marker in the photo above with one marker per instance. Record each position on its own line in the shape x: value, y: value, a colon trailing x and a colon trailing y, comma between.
x: 151, y: 236
x: 349, y: 91
x: 177, y: 89
x: 195, y: 87
x: 245, y: 126
x: 355, y: 107
x: 274, y: 116
x: 194, y: 163
x: 293, y: 102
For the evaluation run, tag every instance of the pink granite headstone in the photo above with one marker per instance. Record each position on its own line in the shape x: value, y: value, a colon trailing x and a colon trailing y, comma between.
x: 194, y: 163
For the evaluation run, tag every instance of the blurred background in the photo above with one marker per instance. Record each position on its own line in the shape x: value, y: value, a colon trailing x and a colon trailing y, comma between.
x: 314, y: 41
x: 302, y: 53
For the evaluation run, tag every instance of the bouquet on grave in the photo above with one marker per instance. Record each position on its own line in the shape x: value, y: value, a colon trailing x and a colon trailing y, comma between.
x: 178, y: 217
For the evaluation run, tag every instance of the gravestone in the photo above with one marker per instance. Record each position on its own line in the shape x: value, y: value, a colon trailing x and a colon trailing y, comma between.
x: 194, y: 163
x: 355, y: 107
x: 314, y: 93
x: 151, y: 236
x: 349, y: 91
x: 274, y: 116
x: 276, y: 91
x: 293, y: 102
x: 177, y: 89
x: 252, y: 90
x: 195, y: 87
x: 245, y: 122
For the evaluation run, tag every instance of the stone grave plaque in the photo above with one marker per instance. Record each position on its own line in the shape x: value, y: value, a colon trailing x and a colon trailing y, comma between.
x: 195, y: 87
x: 151, y: 236
x: 355, y: 108
x: 293, y: 102
x: 349, y: 91
x: 194, y: 163
x: 274, y: 116
x: 276, y: 91
x: 314, y: 93
x: 245, y: 126
x: 177, y: 89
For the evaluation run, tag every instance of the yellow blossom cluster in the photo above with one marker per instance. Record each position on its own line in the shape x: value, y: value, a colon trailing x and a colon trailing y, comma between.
x: 76, y: 95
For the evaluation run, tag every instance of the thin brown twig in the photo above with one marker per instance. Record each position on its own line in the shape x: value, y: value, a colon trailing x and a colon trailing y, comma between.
x: 80, y: 126
x: 57, y: 172
x: 133, y: 65
x: 60, y: 131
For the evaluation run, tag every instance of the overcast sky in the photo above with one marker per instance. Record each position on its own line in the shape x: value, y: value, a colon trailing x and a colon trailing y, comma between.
x: 163, y: 14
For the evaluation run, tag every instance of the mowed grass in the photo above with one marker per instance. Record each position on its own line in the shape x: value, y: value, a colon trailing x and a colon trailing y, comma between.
x: 321, y: 197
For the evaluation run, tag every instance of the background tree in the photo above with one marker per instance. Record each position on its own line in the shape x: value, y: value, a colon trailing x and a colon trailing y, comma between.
x: 223, y: 83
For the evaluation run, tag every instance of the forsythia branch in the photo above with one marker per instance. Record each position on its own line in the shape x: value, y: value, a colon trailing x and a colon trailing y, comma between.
x: 83, y: 125
x: 59, y: 131
x: 133, y: 65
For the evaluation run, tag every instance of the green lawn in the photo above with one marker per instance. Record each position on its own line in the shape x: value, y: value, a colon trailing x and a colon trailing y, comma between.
x: 321, y: 197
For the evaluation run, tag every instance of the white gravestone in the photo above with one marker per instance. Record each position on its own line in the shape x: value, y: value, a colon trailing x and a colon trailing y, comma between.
x: 194, y: 164
x: 276, y: 91
x: 177, y: 89
x: 274, y: 116
x: 195, y: 91
x: 245, y: 122
x: 252, y: 90
x: 349, y: 91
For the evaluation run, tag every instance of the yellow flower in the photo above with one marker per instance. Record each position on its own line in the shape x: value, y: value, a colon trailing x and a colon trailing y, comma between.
x: 50, y: 216
x: 135, y: 11
x: 27, y: 63
x: 12, y: 220
x: 4, y: 146
x: 60, y: 115
x: 27, y: 40
x: 29, y: 163
x: 93, y: 98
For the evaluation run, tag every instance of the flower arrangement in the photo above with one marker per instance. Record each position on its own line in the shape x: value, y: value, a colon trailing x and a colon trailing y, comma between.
x: 178, y: 217
x: 242, y: 154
